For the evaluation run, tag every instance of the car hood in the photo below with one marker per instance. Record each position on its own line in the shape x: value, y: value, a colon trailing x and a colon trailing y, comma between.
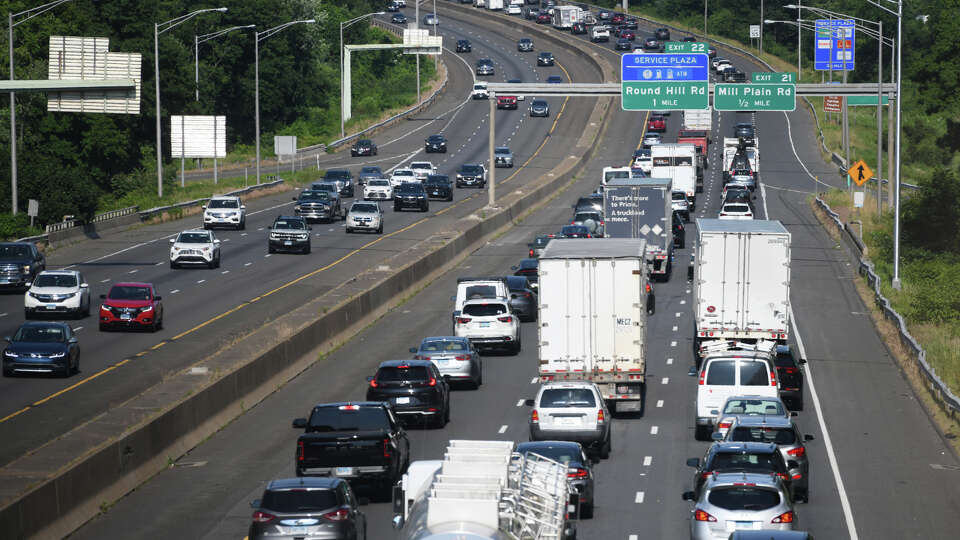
x: 21, y: 347
x: 112, y: 302
x: 191, y: 245
x: 53, y: 290
x: 16, y: 260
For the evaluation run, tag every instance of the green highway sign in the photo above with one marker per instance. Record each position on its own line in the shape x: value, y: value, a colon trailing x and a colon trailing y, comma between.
x: 754, y: 97
x: 853, y: 101
x: 773, y: 77
x: 664, y: 95
x: 686, y: 47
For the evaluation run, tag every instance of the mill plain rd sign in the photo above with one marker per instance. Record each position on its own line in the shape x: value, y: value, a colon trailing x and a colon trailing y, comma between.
x: 754, y: 97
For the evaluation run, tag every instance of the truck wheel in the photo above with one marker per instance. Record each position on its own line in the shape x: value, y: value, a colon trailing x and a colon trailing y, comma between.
x: 586, y: 511
x: 702, y: 433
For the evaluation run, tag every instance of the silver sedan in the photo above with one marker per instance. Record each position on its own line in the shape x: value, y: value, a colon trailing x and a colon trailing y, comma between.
x: 455, y: 358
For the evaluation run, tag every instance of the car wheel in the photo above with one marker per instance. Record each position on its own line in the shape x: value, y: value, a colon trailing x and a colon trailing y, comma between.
x: 76, y: 368
x: 86, y: 312
x: 7, y: 372
x: 27, y: 315
x: 586, y: 510
x: 243, y: 225
x: 212, y: 264
x: 103, y: 327
x: 480, y: 377
x: 607, y: 447
x: 702, y: 433
x: 269, y: 249
x: 396, y: 208
x: 306, y: 250
x: 348, y: 230
x: 64, y: 372
x: 380, y: 229
x: 218, y: 261
x: 173, y: 265
x: 515, y: 348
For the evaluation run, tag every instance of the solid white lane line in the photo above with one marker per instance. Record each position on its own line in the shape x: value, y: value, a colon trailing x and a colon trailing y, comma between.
x: 3, y: 314
x: 638, y: 500
x: 659, y: 403
x: 503, y: 429
x: 647, y: 460
x: 654, y: 430
x: 175, y: 291
x: 679, y: 314
x: 665, y: 380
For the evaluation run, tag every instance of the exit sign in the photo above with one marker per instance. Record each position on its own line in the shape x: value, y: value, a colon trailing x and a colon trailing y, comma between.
x: 686, y: 47
x: 754, y: 97
x: 774, y: 77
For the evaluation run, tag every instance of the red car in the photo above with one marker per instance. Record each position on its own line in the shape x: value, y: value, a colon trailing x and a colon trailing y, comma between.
x: 506, y: 102
x: 544, y: 18
x: 657, y: 123
x: 627, y: 34
x: 618, y: 18
x: 131, y: 305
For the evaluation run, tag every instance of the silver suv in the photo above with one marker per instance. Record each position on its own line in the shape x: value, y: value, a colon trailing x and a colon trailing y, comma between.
x: 502, y: 157
x: 572, y: 411
x: 740, y: 501
x: 784, y: 433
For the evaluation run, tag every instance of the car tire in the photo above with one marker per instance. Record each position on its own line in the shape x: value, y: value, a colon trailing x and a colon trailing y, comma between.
x: 702, y: 433
x: 380, y: 229
x: 270, y: 249
x: 348, y: 230
x: 86, y: 312
x: 76, y: 368
x: 64, y: 371
x: 243, y: 225
x: 586, y: 510
x: 7, y: 373
x: 607, y: 447
x: 103, y: 328
x: 396, y: 208
x: 218, y: 261
x: 516, y: 347
x: 306, y: 250
x: 27, y: 315
x: 173, y: 265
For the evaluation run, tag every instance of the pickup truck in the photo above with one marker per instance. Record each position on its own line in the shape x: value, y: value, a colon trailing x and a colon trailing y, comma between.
x: 362, y: 442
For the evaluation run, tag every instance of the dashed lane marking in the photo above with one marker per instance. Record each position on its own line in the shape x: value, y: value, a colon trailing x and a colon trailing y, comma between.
x: 665, y: 380
x: 503, y: 429
x: 638, y: 499
x: 647, y: 460
x: 659, y: 403
x: 654, y: 430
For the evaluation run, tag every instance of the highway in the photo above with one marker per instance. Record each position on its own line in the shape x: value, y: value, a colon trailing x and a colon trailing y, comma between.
x: 205, y: 309
x: 879, y: 468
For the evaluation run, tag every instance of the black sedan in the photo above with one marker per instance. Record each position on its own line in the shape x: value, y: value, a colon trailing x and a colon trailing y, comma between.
x: 624, y: 44
x: 420, y: 395
x: 575, y: 231
x: 435, y: 143
x: 410, y: 195
x: 398, y: 18
x: 523, y: 297
x: 463, y: 45
x: 438, y: 186
x: 579, y: 467
x: 363, y: 147
x: 545, y: 59
x: 42, y: 347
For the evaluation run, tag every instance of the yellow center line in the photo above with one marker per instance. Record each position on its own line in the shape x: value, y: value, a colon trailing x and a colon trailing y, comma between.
x: 69, y: 388
x: 11, y: 415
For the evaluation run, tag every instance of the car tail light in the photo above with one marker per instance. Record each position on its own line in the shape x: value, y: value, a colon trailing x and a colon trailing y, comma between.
x: 700, y: 515
x: 337, y: 515
x: 508, y: 318
x: 723, y: 213
x: 577, y: 472
x: 706, y: 475
x: 535, y: 417
x: 773, y: 377
x: 299, y: 450
x: 600, y: 417
x: 432, y: 382
x: 724, y: 425
x: 463, y: 320
x: 702, y: 375
x: 462, y: 358
x: 373, y: 383
x: 531, y: 253
x: 386, y: 448
x: 786, y: 517
x: 648, y: 288
x: 797, y: 452
x: 262, y: 517
x: 527, y: 295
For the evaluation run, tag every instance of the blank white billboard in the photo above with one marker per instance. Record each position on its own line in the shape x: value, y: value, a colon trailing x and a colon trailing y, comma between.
x: 88, y: 58
x: 198, y: 136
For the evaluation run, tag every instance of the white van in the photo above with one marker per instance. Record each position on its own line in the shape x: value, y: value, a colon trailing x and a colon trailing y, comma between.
x: 725, y: 374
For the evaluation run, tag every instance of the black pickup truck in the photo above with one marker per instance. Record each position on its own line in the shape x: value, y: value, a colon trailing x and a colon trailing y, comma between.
x: 362, y: 442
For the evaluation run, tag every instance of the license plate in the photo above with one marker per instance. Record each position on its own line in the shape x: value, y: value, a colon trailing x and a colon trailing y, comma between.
x: 297, y: 530
x: 484, y: 325
x: 344, y: 471
x: 569, y: 421
x: 443, y: 361
x: 287, y: 243
x: 125, y: 317
x: 738, y: 525
x: 51, y: 306
x: 403, y: 400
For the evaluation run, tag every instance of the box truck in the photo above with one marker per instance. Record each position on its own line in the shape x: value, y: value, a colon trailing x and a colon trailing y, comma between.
x: 642, y: 208
x: 565, y: 16
x: 679, y: 163
x: 593, y: 305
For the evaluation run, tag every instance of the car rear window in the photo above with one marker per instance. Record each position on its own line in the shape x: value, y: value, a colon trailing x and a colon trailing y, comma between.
x: 754, y: 374
x: 406, y: 373
x: 722, y: 372
x: 567, y: 397
x: 564, y: 454
x: 736, y: 208
x: 348, y: 418
x: 778, y: 435
x: 744, y: 498
x: 443, y: 346
x: 484, y: 310
x: 299, y: 500
x: 765, y: 463
x: 753, y: 406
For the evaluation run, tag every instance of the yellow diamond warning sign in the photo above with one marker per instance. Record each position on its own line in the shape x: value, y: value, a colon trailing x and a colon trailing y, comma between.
x: 860, y: 173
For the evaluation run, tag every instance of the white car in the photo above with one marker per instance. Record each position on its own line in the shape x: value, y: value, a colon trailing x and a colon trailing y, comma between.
x: 422, y: 169
x: 195, y: 247
x: 400, y: 176
x: 736, y: 211
x: 365, y: 216
x: 480, y: 91
x: 224, y: 211
x: 57, y: 291
x: 489, y: 323
x: 722, y: 64
x: 513, y: 10
x: 378, y: 189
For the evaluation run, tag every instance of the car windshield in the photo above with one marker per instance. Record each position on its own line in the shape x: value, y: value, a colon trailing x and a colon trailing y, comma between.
x: 128, y: 292
x: 403, y: 172
x: 324, y: 187
x: 337, y: 174
x: 443, y: 345
x: 501, y: 150
x: 40, y: 334
x: 364, y: 208
x: 574, y: 229
x: 539, y: 103
x: 409, y: 189
x: 370, y: 170
x: 315, y: 195
x: 753, y: 406
x: 435, y: 138
x: 403, y: 373
x: 378, y: 183
x: 470, y: 169
x: 742, y: 172
x: 299, y: 500
x: 763, y: 434
x: 421, y: 166
x: 553, y: 398
x: 347, y: 418
x: 736, y: 461
x: 55, y: 280
x: 14, y: 251
x: 739, y: 208
x: 564, y: 454
x: 744, y: 498
x: 295, y: 224
x: 223, y: 203
x: 364, y: 142
x: 484, y: 310
x: 438, y: 179
x: 193, y: 238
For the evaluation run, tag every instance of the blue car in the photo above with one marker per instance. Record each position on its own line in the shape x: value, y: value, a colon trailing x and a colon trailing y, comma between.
x: 42, y: 347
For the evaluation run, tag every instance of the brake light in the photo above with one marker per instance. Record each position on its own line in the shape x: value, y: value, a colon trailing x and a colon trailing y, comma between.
x: 706, y: 475
x: 786, y: 517
x: 463, y: 320
x: 527, y: 295
x: 462, y: 358
x: 600, y: 418
x: 648, y: 288
x: 337, y: 515
x: 577, y: 473
x: 589, y: 235
x: 508, y: 318
x: 299, y: 450
x: 724, y: 425
x: 262, y: 517
x: 349, y: 407
x: 535, y: 417
x: 373, y: 383
x: 432, y: 382
x: 531, y: 253
x: 773, y: 377
x: 702, y: 375
x: 797, y: 452
x: 722, y: 214
x: 700, y: 515
x: 386, y: 448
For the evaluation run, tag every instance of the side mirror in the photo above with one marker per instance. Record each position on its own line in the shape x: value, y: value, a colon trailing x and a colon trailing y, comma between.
x: 103, y: 296
x: 72, y: 340
x: 716, y: 436
x: 309, y: 228
x: 693, y: 462
x: 299, y: 423
x: 204, y: 207
x: 173, y: 240
x: 808, y: 438
x: 528, y: 402
x: 514, y: 268
x: 243, y: 207
x: 413, y: 350
x: 7, y: 338
x: 453, y: 298
x: 293, y: 198
x: 513, y: 295
x: 216, y: 242
x: 84, y: 285
x: 255, y: 503
x: 158, y: 298
x: 793, y: 413
x: 689, y: 496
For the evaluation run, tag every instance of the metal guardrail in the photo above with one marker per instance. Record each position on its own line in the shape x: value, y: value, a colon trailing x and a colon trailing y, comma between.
x: 62, y: 225
x: 940, y: 391
x: 147, y: 214
x: 114, y: 214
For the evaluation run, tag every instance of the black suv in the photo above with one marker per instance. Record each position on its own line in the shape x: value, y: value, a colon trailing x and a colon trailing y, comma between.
x: 438, y: 186
x: 363, y: 147
x: 463, y: 45
x: 590, y: 203
x: 416, y: 390
x: 679, y: 231
x: 410, y: 195
x: 289, y: 233
x: 545, y: 59
x: 471, y: 174
x: 790, y: 373
x: 343, y: 178
x: 318, y: 505
x: 435, y: 143
x: 750, y: 457
x: 20, y: 262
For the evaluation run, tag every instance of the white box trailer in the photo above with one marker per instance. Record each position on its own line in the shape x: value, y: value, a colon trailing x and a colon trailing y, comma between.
x: 495, y: 5
x: 642, y: 208
x: 741, y: 282
x: 698, y: 119
x: 565, y: 16
x: 593, y: 316
x: 679, y: 163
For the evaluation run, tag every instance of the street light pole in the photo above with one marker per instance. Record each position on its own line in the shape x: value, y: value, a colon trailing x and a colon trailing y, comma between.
x: 799, y: 41
x: 167, y: 25
x: 257, y: 38
x: 29, y: 14
x: 896, y: 171
x: 347, y: 24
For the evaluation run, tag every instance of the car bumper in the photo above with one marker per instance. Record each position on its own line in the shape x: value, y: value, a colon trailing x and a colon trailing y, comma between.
x: 19, y: 281
x: 701, y: 530
x: 540, y: 113
x: 369, y: 472
x: 28, y: 365
x: 403, y: 203
x: 64, y: 306
x: 191, y: 259
x: 470, y: 181
x: 214, y: 221
x: 504, y: 163
x: 439, y: 194
x: 110, y: 321
x: 588, y: 438
x: 377, y: 196
x: 367, y: 226
x: 289, y: 245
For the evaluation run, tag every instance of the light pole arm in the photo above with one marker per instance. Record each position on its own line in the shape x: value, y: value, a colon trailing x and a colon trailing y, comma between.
x: 276, y: 29
x: 167, y: 25
x: 213, y: 35
x: 33, y: 12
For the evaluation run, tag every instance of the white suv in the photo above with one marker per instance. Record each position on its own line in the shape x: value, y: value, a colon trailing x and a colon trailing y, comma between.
x: 422, y: 169
x: 489, y: 323
x: 224, y: 211
x: 195, y: 247
x: 57, y: 291
x: 400, y: 176
x: 571, y: 411
x: 378, y: 189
